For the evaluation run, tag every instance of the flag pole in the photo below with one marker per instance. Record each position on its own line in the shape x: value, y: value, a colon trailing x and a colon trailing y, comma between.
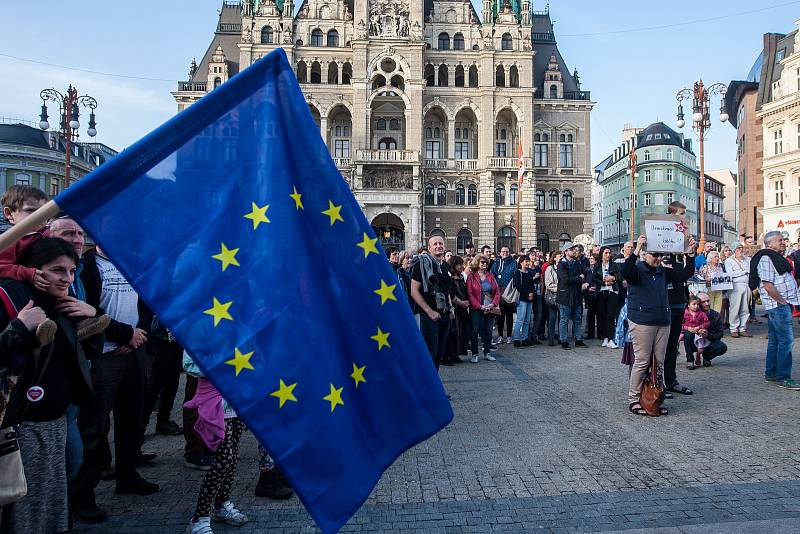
x: 30, y: 224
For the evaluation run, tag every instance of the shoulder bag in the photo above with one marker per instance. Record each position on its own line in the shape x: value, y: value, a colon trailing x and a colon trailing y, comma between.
x: 652, y: 391
x: 510, y: 294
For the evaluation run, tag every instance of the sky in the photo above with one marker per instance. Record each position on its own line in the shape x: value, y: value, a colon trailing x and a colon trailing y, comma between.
x: 633, y: 59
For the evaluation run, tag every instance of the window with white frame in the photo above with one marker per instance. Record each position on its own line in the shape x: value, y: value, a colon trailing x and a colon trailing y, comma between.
x: 647, y: 155
x: 670, y: 197
x: 777, y: 137
x: 779, y: 192
x: 648, y: 176
x: 669, y: 175
x: 647, y: 199
x: 22, y: 178
x: 669, y: 154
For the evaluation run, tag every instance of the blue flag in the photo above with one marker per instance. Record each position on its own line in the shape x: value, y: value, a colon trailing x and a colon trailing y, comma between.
x: 233, y: 224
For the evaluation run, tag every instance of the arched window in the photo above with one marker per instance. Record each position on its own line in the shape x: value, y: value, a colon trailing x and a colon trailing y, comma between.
x: 540, y: 199
x: 545, y: 138
x: 464, y: 238
x: 317, y: 37
x: 562, y: 138
x: 506, y: 237
x: 460, y: 76
x: 444, y: 41
x: 333, y: 73
x: 266, y: 35
x: 513, y: 77
x: 387, y: 143
x: 543, y: 242
x: 569, y: 138
x: 442, y: 75
x: 552, y: 198
x: 513, y: 189
x: 429, y: 195
x: 217, y: 82
x: 499, y: 195
x: 460, y: 195
x: 441, y: 195
x: 472, y: 195
x: 500, y: 76
x: 507, y: 43
x: 378, y: 82
x: 458, y: 42
x: 381, y: 124
x: 537, y: 137
x: 347, y: 73
x: 564, y: 239
x: 333, y: 38
x: 566, y: 198
x: 429, y: 76
x: 438, y: 232
x: 473, y: 76
x: 316, y: 72
x: 397, y: 81
x: 553, y: 91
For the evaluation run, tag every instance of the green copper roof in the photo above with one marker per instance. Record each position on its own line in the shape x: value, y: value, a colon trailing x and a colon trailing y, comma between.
x: 278, y: 3
x: 497, y: 6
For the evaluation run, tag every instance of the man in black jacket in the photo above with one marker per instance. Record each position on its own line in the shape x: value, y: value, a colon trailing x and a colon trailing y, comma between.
x: 118, y: 382
x: 571, y: 283
x: 714, y: 333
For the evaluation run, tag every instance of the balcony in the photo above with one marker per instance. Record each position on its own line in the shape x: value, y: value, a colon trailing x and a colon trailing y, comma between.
x: 577, y: 95
x: 387, y: 156
x: 506, y: 163
x: 197, y: 87
x: 466, y: 164
x: 343, y: 163
x: 438, y: 164
x: 457, y: 164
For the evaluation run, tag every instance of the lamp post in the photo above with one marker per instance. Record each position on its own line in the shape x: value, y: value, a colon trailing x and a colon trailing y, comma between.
x: 634, y: 175
x: 69, y: 105
x: 701, y: 123
x: 619, y: 225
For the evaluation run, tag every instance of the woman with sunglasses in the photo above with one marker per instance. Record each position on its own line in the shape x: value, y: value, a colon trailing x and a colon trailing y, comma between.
x: 484, y: 303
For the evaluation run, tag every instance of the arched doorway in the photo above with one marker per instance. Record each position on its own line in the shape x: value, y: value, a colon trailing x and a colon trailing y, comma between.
x: 390, y: 231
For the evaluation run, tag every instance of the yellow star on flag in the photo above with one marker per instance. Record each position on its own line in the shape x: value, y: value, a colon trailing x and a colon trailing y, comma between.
x: 382, y: 338
x: 358, y: 374
x: 368, y: 245
x: 333, y: 212
x: 241, y: 361
x: 386, y: 292
x: 334, y: 397
x: 258, y: 215
x: 219, y: 311
x: 227, y: 257
x: 298, y: 199
x: 285, y: 393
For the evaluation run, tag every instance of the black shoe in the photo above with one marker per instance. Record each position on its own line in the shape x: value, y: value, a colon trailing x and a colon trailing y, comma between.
x: 517, y: 344
x: 136, y: 486
x: 706, y: 363
x: 580, y: 343
x: 535, y: 342
x: 270, y: 486
x: 201, y: 461
x: 456, y: 359
x: 551, y: 343
x: 448, y: 363
x: 170, y: 428
x: 89, y: 513
x: 145, y: 458
x: 565, y: 345
x: 108, y: 473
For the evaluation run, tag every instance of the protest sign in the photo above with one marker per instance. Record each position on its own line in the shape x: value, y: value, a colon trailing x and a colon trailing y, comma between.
x: 665, y: 233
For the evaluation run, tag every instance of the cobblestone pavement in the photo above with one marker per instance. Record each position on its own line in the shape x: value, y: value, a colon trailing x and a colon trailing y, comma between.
x: 543, y: 441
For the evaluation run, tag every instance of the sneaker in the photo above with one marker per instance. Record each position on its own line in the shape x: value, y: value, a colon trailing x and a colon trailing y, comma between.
x: 489, y: 357
x: 201, y: 461
x: 565, y: 345
x: 474, y: 359
x: 170, y: 428
x: 201, y: 525
x: 789, y: 384
x: 230, y: 515
x: 612, y: 345
x: 581, y: 344
x: 605, y: 343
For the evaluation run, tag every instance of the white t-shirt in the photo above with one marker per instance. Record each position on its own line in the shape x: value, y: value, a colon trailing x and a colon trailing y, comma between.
x: 117, y: 297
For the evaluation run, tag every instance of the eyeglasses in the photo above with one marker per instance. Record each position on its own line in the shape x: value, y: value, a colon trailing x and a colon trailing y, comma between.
x: 656, y: 254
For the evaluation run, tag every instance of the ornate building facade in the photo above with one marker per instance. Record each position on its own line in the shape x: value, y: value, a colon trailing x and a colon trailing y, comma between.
x: 425, y: 109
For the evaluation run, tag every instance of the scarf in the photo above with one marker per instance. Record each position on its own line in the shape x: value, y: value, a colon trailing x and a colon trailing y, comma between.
x: 781, y: 264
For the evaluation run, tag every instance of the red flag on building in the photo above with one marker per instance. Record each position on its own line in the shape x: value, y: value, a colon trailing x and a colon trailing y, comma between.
x: 520, y: 162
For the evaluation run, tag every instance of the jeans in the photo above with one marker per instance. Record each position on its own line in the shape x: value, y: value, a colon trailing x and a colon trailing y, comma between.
x: 552, y: 319
x: 522, y: 325
x: 435, y: 335
x: 779, y: 345
x: 481, y: 326
x: 573, y: 313
x: 118, y: 384
x: 74, y: 448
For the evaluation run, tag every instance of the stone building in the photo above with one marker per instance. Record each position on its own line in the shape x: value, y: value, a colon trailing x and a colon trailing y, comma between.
x: 425, y: 108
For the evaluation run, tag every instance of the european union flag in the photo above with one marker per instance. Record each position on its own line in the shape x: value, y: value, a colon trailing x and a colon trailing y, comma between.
x: 233, y: 223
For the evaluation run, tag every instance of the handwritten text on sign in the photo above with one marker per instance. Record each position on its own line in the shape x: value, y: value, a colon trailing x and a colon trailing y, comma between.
x: 665, y: 236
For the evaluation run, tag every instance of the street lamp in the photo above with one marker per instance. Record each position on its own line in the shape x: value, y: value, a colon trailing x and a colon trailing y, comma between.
x: 69, y: 105
x: 634, y: 175
x: 619, y: 224
x: 701, y: 123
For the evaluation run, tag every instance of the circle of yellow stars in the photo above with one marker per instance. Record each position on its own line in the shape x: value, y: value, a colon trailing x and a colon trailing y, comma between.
x: 220, y: 310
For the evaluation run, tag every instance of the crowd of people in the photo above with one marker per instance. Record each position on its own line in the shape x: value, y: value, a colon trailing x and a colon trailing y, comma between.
x: 77, y: 346
x: 649, y: 304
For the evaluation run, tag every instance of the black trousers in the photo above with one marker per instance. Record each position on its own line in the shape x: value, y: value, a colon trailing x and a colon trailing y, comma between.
x: 592, y: 318
x: 435, y: 335
x: 118, y: 383
x: 194, y: 443
x: 671, y: 357
x: 506, y: 318
x: 714, y: 349
x: 606, y: 307
x: 166, y: 358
